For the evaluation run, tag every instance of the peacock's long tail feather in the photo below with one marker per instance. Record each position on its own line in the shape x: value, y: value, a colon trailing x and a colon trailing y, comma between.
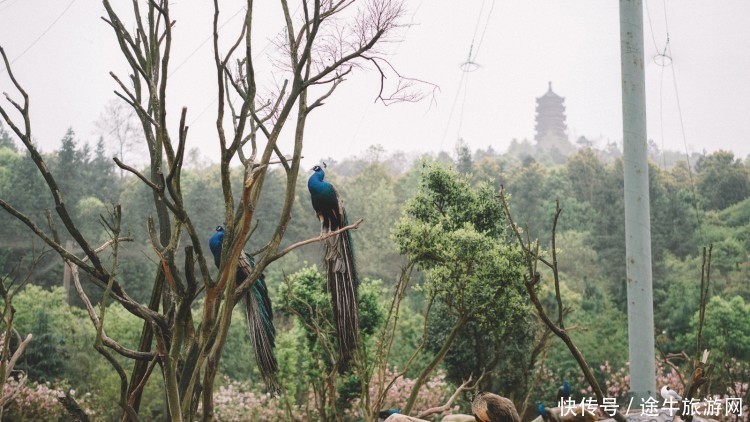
x: 342, y: 283
x: 259, y: 315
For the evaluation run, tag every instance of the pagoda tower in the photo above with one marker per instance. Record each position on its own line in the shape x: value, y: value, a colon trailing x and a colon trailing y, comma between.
x: 550, y: 119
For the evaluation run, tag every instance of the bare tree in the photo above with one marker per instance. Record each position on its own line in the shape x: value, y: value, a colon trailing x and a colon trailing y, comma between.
x: 118, y: 127
x: 10, y: 284
x: 556, y: 323
x: 324, y: 44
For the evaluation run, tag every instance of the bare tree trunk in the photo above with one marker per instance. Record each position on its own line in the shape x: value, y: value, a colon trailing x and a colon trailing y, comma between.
x: 532, y: 278
x: 189, y: 355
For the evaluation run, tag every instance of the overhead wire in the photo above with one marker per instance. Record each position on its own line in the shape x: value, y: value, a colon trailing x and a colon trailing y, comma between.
x: 8, y: 6
x: 651, y: 25
x: 661, y: 84
x: 203, y: 111
x: 453, y: 107
x: 661, y: 64
x: 468, y: 66
x: 195, y: 50
x: 187, y: 58
x: 668, y: 53
x: 463, y: 107
x: 472, y: 62
x: 484, y: 31
x: 49, y: 27
x: 661, y: 117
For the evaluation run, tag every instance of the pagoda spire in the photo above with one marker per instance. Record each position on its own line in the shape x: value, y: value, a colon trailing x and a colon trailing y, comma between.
x: 550, y: 116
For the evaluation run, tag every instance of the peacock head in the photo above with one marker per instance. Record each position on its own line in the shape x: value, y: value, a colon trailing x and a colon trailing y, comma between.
x: 478, y: 395
x: 319, y: 173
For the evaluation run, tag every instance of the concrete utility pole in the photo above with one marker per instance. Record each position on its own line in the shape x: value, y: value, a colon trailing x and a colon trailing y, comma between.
x: 637, y: 216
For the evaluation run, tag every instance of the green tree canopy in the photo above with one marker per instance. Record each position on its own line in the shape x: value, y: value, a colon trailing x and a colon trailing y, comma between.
x: 454, y: 232
x: 722, y: 180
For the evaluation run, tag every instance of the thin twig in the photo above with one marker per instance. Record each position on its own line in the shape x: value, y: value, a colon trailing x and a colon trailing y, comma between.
x: 447, y: 405
x: 530, y: 281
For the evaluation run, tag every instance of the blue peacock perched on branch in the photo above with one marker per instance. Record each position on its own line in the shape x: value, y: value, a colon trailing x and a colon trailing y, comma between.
x: 341, y: 272
x: 258, y: 312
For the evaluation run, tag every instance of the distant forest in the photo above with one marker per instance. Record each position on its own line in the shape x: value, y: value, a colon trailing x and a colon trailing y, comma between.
x: 696, y: 201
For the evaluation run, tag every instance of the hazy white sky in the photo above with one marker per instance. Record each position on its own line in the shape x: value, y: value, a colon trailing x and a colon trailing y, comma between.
x: 574, y: 44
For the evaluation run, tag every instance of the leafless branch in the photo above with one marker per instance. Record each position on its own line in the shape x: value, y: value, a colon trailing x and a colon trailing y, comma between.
x: 106, y: 340
x: 531, y: 278
x: 139, y: 388
x: 318, y: 239
x: 334, y: 84
x: 38, y: 231
x: 701, y: 371
x: 407, y: 89
x: 189, y: 356
x: 447, y: 405
x: 123, y: 382
x: 705, y: 281
x: 383, y: 391
x: 555, y: 273
x: 133, y: 101
x: 17, y: 354
x: 138, y: 174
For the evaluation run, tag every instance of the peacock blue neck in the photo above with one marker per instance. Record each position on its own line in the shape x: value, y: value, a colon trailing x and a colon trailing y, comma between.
x: 215, y: 245
x: 316, y: 179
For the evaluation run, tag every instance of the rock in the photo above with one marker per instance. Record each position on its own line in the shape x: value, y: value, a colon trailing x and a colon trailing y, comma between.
x: 458, y: 417
x: 663, y: 416
x: 397, y: 417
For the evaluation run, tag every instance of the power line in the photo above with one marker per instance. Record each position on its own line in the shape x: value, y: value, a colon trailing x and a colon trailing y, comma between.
x: 687, y: 155
x: 662, y: 60
x: 469, y: 65
x: 195, y: 50
x: 661, y: 117
x: 666, y: 21
x: 463, y: 106
x: 203, y: 111
x: 651, y: 26
x: 185, y: 60
x: 42, y: 34
x: 484, y: 31
x: 8, y: 6
x: 453, y: 107
x: 476, y: 27
x: 668, y: 53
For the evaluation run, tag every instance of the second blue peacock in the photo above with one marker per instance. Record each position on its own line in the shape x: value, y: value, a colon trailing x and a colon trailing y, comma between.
x: 258, y: 312
x: 341, y: 272
x: 563, y: 393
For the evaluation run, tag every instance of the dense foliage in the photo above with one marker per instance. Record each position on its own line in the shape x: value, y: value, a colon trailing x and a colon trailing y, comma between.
x: 445, y: 221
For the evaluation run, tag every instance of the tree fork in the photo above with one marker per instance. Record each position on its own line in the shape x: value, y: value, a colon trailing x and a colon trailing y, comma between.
x: 532, y: 278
